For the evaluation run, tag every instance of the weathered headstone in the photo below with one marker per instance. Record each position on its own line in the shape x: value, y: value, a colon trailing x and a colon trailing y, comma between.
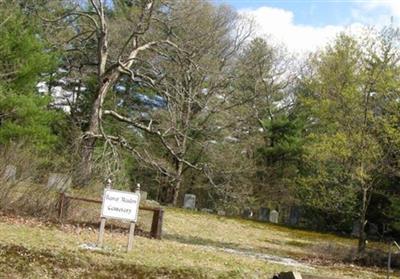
x: 189, y: 201
x: 356, y: 228
x: 247, y: 213
x: 221, y: 212
x: 206, y: 210
x: 10, y: 173
x: 274, y: 217
x: 143, y: 196
x: 264, y: 214
x: 59, y: 181
x: 294, y: 216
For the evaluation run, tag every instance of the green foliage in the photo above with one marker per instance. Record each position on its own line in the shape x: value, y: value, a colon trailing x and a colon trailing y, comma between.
x: 394, y: 210
x: 23, y: 56
x: 24, y: 114
x: 328, y: 183
x: 350, y: 143
x: 262, y: 131
x: 279, y: 159
x: 25, y: 117
x: 284, y: 138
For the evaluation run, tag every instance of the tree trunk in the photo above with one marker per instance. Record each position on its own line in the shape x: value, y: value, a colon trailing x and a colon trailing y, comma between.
x: 179, y: 180
x: 85, y: 168
x: 88, y: 143
x: 362, y: 237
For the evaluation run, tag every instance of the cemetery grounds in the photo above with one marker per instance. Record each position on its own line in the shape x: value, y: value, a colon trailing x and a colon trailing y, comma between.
x: 194, y: 245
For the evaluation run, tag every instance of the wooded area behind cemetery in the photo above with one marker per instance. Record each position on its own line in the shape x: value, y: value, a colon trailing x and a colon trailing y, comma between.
x: 184, y: 98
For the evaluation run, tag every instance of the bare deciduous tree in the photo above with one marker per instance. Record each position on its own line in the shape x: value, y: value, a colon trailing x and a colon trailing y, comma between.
x: 194, y: 82
x: 92, y: 21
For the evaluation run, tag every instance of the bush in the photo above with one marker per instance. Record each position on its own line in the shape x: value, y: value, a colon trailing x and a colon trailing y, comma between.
x: 27, y: 194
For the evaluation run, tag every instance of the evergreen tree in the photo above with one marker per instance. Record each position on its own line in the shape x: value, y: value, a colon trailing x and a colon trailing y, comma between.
x: 24, y: 114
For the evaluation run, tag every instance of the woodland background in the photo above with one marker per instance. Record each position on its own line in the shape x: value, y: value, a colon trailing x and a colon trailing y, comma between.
x: 181, y: 97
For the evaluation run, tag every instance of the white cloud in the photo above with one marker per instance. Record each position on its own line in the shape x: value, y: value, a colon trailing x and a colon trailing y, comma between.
x: 392, y: 6
x: 378, y: 13
x: 279, y: 24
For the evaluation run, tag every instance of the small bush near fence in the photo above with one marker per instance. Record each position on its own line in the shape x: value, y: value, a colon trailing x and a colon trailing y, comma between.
x: 26, y: 198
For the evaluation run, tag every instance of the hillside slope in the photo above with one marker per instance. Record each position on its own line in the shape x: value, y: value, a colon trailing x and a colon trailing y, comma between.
x: 195, y: 245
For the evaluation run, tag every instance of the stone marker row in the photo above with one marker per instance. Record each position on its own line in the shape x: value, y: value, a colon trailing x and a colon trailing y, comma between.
x: 56, y: 181
x: 273, y: 216
x: 265, y: 214
x: 189, y: 202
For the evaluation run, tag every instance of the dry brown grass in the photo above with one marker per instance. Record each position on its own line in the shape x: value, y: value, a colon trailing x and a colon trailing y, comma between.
x: 191, y: 249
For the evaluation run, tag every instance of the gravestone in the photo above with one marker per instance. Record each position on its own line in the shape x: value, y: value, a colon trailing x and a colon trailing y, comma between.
x: 10, y: 173
x: 221, y: 212
x: 189, y: 201
x: 356, y: 228
x: 247, y: 213
x: 294, y: 216
x: 59, y: 181
x: 206, y: 210
x: 274, y: 217
x: 143, y: 196
x: 264, y: 214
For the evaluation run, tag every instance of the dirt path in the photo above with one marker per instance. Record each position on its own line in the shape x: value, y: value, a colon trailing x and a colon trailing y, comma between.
x: 262, y: 256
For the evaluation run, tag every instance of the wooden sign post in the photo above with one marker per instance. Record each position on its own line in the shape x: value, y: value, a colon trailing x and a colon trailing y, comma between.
x: 130, y: 237
x: 101, y: 233
x: 120, y: 205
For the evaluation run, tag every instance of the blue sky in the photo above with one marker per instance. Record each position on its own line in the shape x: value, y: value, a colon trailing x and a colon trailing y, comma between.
x: 317, y: 13
x: 306, y: 25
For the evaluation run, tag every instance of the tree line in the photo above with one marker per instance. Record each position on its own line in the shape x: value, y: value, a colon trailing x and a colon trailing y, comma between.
x: 181, y: 96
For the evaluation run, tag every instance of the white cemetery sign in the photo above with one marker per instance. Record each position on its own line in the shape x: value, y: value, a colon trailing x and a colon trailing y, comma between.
x: 120, y: 205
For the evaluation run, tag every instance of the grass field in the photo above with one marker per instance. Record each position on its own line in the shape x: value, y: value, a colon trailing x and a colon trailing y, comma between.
x: 195, y: 245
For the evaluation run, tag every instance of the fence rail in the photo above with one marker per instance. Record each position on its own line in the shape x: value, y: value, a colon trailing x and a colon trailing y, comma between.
x: 156, y: 224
